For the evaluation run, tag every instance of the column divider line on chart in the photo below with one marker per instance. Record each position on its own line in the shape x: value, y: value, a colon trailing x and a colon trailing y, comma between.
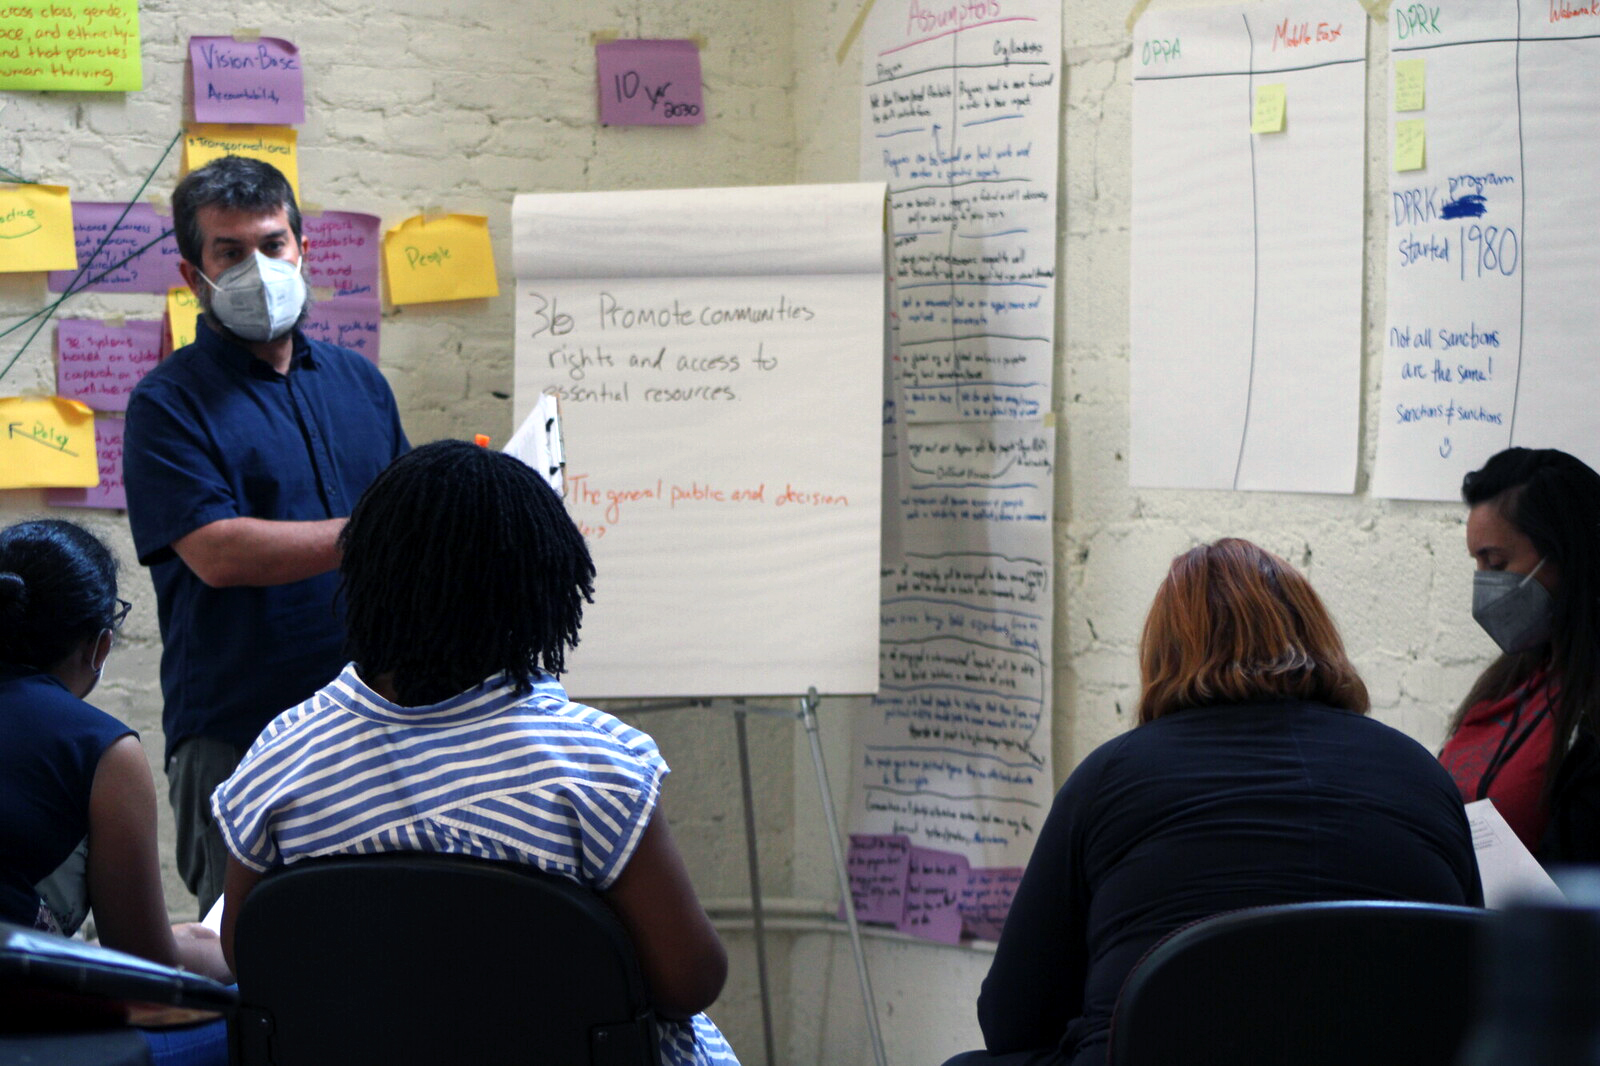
x: 1255, y: 258
x: 1522, y: 266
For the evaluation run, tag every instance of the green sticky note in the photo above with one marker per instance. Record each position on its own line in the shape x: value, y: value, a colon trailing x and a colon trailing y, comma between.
x: 1410, y: 81
x: 1270, y: 109
x: 1410, y: 144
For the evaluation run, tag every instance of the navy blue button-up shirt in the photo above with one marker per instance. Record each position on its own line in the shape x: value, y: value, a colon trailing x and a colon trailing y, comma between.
x: 215, y: 433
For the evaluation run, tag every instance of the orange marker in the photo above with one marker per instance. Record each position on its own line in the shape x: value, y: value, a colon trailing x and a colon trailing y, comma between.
x: 481, y: 439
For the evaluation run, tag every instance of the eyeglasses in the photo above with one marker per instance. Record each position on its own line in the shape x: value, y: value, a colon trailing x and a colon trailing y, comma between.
x: 122, y: 613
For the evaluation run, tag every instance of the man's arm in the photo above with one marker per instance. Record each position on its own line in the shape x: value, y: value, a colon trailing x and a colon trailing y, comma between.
x: 260, y: 551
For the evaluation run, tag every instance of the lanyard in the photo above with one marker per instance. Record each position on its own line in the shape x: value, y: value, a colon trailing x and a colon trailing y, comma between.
x: 1508, y: 746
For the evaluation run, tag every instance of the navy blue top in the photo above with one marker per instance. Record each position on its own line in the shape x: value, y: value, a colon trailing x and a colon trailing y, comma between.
x: 1207, y: 810
x: 50, y: 744
x: 214, y: 433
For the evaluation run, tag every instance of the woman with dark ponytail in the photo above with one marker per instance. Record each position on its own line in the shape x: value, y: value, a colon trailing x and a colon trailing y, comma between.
x: 77, y: 803
x: 1528, y: 733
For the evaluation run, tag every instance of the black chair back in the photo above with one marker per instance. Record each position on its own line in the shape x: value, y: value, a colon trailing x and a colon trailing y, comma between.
x: 424, y: 959
x: 1312, y: 984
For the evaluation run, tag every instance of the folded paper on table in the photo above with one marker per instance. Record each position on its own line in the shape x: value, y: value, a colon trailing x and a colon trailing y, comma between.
x: 36, y: 228
x: 449, y: 258
x: 1508, y: 869
x: 259, y: 81
x: 48, y: 441
x: 203, y: 142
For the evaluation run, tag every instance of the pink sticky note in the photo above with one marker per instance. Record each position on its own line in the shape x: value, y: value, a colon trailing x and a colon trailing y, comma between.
x: 934, y: 883
x: 348, y: 322
x: 986, y: 899
x: 877, y: 867
x: 649, y: 83
x: 257, y: 81
x: 154, y: 270
x: 100, y: 364
x: 342, y: 250
x: 109, y: 493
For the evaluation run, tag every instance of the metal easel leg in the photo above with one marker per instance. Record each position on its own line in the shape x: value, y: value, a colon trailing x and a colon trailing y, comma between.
x: 808, y: 717
x: 755, y: 885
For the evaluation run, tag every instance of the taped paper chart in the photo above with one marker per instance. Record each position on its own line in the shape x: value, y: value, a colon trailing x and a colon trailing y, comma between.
x: 718, y: 355
x: 1493, y: 244
x: 1246, y: 248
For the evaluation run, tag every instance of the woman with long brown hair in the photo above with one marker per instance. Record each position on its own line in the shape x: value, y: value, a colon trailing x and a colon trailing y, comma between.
x: 1254, y: 777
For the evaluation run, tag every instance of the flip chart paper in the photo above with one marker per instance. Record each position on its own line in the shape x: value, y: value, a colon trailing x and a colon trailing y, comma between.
x: 100, y: 364
x: 341, y: 252
x: 440, y: 259
x: 109, y: 494
x: 1247, y: 252
x: 1493, y: 248
x: 124, y: 230
x: 183, y: 311
x: 258, y: 81
x: 204, y: 142
x: 349, y: 322
x: 1271, y: 107
x: 717, y: 354
x: 35, y: 228
x: 1410, y: 144
x: 48, y: 441
x: 72, y: 45
x: 649, y: 83
x: 1410, y: 84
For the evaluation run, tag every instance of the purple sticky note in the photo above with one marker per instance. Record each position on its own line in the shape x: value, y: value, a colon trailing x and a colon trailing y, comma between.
x: 100, y: 364
x: 348, y: 322
x: 649, y: 83
x: 257, y: 81
x: 153, y: 270
x: 109, y: 493
x: 934, y: 883
x: 987, y: 899
x: 342, y: 250
x: 877, y: 867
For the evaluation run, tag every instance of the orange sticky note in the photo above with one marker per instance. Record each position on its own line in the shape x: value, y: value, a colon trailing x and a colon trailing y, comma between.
x: 183, y: 312
x: 449, y: 258
x: 48, y: 441
x: 203, y: 142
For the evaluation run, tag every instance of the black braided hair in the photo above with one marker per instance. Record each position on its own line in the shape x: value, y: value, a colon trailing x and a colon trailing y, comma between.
x: 461, y: 563
x: 58, y: 588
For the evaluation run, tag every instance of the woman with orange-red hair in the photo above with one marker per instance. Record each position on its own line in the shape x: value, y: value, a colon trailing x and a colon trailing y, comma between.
x: 1254, y: 777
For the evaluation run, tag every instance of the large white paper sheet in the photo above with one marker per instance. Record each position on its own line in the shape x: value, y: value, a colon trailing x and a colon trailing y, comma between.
x: 722, y: 430
x: 1494, y: 245
x: 1247, y: 248
x: 959, y: 116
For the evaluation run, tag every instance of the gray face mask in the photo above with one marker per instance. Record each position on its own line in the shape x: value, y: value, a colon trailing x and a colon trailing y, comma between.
x: 259, y: 299
x: 1514, y: 609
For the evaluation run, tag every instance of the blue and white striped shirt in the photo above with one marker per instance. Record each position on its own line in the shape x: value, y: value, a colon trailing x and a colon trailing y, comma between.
x: 535, y: 779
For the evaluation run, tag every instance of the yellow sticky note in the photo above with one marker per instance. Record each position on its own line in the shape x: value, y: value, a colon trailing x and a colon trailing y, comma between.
x: 1271, y: 108
x: 1410, y: 144
x: 1410, y: 83
x: 445, y: 258
x: 183, y: 311
x: 77, y: 45
x: 48, y: 443
x: 36, y: 228
x: 203, y: 142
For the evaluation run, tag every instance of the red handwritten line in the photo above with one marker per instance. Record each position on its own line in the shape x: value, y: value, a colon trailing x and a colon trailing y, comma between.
x: 958, y: 29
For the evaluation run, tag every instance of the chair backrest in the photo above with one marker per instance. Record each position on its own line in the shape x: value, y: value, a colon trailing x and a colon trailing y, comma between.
x: 412, y: 958
x: 1341, y: 984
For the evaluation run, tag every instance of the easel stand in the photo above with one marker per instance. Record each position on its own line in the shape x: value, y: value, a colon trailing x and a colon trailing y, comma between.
x: 807, y: 715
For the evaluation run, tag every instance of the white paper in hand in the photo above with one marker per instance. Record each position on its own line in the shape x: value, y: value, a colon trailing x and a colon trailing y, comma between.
x: 1509, y: 871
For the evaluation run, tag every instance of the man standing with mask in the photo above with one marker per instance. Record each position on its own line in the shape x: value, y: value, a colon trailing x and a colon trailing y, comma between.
x: 244, y: 452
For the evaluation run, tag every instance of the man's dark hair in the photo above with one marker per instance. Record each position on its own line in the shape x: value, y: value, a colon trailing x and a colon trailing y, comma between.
x: 460, y: 563
x: 58, y: 588
x: 1554, y: 500
x: 232, y: 182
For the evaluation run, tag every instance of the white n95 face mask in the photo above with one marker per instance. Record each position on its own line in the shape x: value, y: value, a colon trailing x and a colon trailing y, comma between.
x: 259, y: 299
x: 1514, y: 609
